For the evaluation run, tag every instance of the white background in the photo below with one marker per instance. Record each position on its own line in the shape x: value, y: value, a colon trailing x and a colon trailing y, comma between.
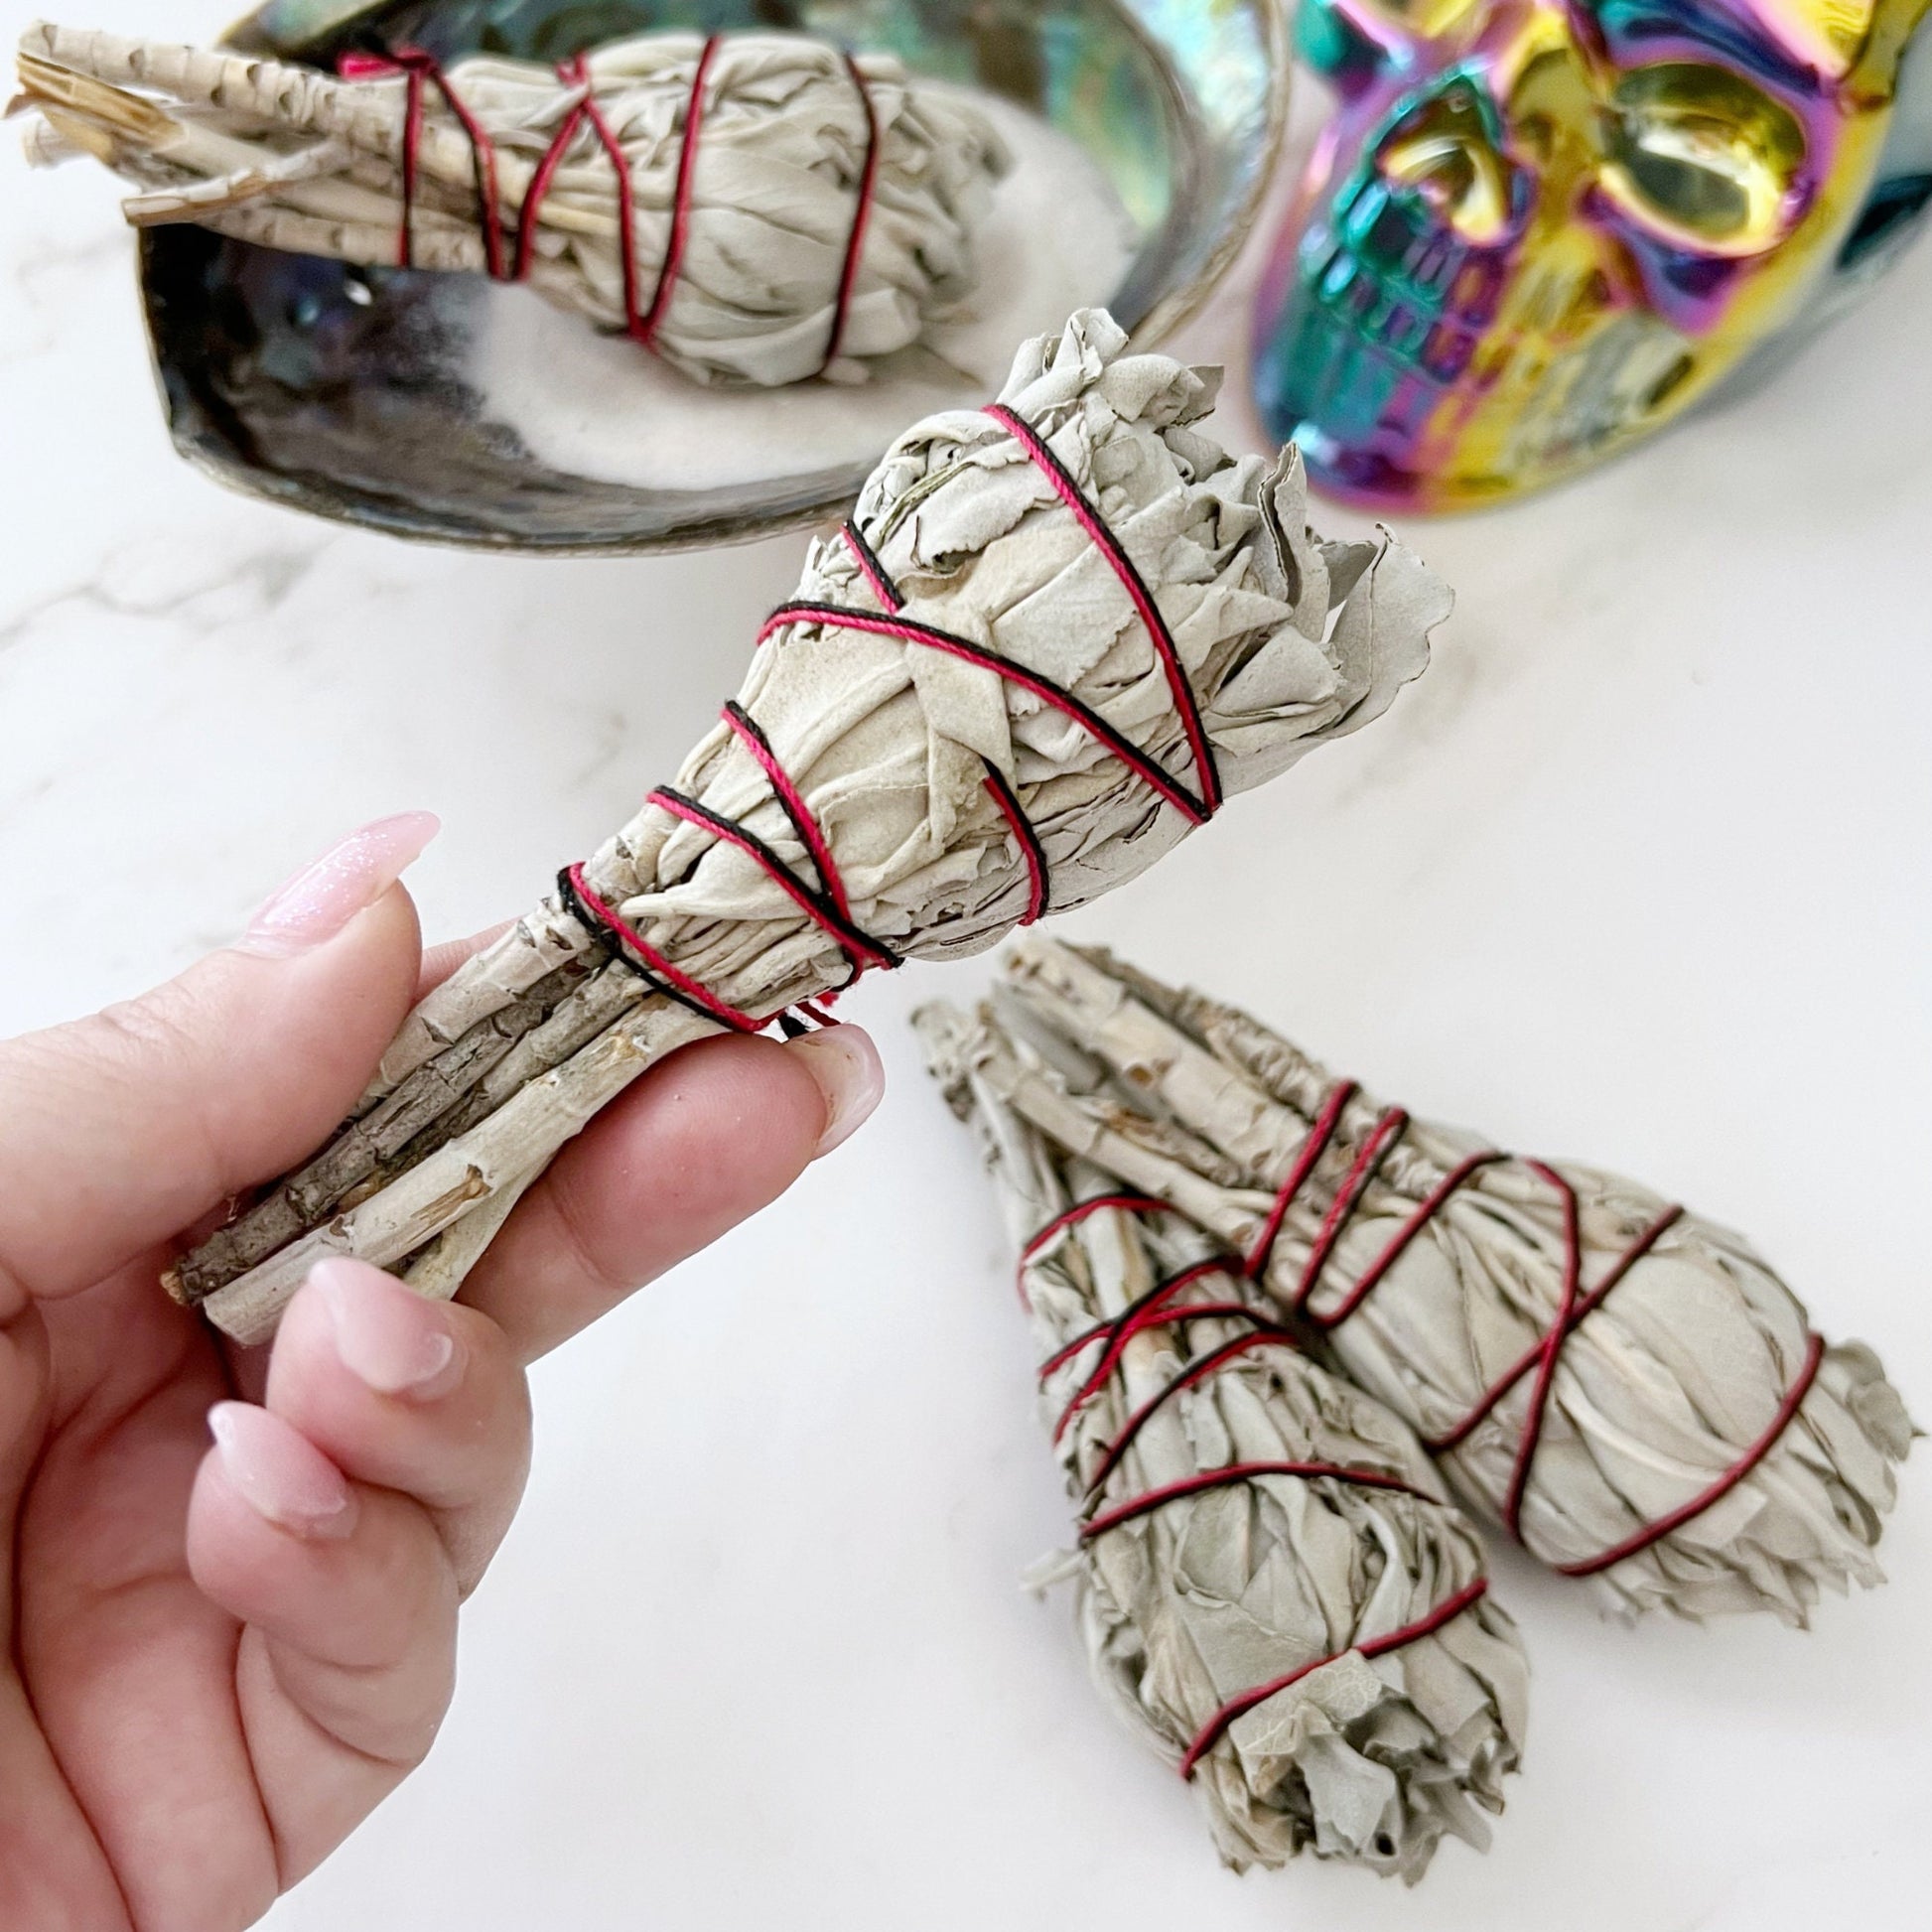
x: 1638, y: 874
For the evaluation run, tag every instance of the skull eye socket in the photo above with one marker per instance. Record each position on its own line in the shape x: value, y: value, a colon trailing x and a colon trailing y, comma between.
x: 1702, y: 157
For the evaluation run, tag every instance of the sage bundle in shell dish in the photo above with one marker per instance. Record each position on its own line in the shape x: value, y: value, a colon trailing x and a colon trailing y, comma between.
x: 756, y: 208
x: 1272, y: 1587
x: 1627, y: 1389
x: 1055, y: 634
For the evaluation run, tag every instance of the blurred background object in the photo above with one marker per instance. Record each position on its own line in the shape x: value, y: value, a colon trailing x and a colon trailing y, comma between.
x: 356, y: 394
x: 1533, y: 233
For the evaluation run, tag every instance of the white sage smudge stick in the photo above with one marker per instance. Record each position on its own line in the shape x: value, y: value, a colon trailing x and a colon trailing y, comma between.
x: 754, y: 208
x: 1055, y: 632
x: 1625, y: 1387
x: 1272, y: 1587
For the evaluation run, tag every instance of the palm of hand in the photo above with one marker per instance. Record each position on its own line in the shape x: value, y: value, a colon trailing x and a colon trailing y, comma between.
x: 131, y: 1771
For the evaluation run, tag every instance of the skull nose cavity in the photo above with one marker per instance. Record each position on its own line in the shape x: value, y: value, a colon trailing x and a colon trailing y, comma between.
x: 1464, y: 187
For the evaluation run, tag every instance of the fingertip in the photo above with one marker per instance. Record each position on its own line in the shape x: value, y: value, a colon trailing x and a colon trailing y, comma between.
x: 277, y: 1537
x: 325, y: 895
x: 420, y: 1398
x: 274, y: 1471
x: 844, y: 1063
x: 358, y: 1630
x: 390, y: 1339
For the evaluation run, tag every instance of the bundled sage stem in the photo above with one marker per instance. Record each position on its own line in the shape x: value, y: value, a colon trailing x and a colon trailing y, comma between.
x: 1272, y: 1587
x: 1055, y: 632
x: 1626, y: 1388
x: 792, y: 213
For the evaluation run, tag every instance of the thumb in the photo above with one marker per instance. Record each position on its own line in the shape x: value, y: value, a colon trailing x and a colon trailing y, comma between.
x: 123, y: 1128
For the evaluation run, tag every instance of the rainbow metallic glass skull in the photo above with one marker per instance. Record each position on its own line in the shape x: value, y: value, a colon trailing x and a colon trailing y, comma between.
x: 1535, y: 232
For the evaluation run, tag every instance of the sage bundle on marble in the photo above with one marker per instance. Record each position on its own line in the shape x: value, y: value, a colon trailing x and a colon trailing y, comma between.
x: 1055, y: 634
x: 1272, y: 1587
x: 1628, y: 1390
x: 757, y: 208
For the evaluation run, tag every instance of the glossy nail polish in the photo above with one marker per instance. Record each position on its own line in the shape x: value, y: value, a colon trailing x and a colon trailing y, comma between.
x: 310, y: 909
x: 280, y: 1474
x: 389, y: 1338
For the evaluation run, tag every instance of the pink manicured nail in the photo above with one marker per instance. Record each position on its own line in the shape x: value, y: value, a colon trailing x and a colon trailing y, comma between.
x: 387, y: 1337
x: 280, y: 1474
x: 329, y: 891
x: 846, y: 1065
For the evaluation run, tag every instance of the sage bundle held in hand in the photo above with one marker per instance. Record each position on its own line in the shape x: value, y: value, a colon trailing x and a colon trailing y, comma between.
x: 1055, y: 632
x: 756, y: 208
x: 1627, y: 1389
x: 1272, y: 1588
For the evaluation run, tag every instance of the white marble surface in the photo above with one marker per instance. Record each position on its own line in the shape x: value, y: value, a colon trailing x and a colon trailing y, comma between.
x: 1638, y: 874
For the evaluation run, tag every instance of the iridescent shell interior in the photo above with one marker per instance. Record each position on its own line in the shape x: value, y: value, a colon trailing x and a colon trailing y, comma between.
x: 321, y: 386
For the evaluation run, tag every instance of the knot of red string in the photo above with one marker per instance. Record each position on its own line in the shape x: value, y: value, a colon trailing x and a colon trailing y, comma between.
x: 1164, y: 1307
x: 822, y: 897
x: 642, y: 321
x: 417, y: 67
x: 1540, y: 1361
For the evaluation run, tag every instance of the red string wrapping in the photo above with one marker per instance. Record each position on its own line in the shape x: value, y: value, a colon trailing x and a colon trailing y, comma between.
x: 1642, y: 1539
x: 1195, y: 1485
x: 1423, y: 1626
x: 1152, y: 1310
x: 1031, y: 849
x: 869, y: 568
x: 1206, y: 773
x: 1368, y: 1163
x: 1157, y: 1308
x: 644, y: 327
x: 855, y: 240
x: 998, y: 787
x: 1319, y: 1135
x: 417, y: 67
x: 581, y: 897
x: 1424, y: 1212
x: 1072, y: 1217
x: 1636, y: 1251
x: 1542, y: 1358
x: 750, y: 734
x: 1199, y: 1370
x: 1041, y: 687
x: 826, y: 904
x: 860, y: 950
x: 572, y: 74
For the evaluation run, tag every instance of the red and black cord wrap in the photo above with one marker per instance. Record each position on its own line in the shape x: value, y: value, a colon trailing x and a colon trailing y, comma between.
x: 822, y: 897
x: 506, y: 263
x: 1164, y: 1307
x: 1540, y: 1361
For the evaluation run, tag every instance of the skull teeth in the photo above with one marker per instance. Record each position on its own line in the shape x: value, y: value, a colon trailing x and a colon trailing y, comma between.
x: 1389, y: 275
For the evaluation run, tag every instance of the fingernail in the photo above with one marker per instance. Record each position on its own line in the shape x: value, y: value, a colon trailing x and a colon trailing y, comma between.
x: 387, y: 1337
x: 329, y: 891
x: 846, y: 1065
x: 280, y: 1474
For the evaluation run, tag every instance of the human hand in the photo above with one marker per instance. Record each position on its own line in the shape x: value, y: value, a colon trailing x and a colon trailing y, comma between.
x: 218, y: 1660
